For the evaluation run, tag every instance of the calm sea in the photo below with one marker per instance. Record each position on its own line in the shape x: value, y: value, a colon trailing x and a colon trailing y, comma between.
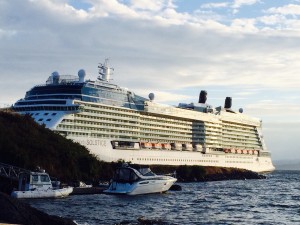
x: 275, y: 200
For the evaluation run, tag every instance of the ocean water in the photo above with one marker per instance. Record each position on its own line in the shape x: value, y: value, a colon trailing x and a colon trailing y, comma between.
x: 275, y: 200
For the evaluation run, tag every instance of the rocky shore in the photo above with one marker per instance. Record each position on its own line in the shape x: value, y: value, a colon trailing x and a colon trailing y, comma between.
x: 17, y: 212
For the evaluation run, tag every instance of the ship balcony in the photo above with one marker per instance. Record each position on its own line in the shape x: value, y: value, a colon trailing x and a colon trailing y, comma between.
x: 107, y: 116
x: 85, y: 121
x: 98, y: 109
x: 164, y: 128
x: 174, y: 134
x: 240, y: 140
x: 239, y: 130
x: 92, y: 127
x: 169, y: 124
x: 169, y: 139
x: 229, y: 135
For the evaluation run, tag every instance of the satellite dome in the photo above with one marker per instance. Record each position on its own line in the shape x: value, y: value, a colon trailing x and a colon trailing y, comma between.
x: 81, y: 75
x: 151, y: 96
x: 241, y: 110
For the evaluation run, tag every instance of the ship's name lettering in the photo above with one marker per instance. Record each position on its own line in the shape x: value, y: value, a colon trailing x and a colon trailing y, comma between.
x: 96, y: 142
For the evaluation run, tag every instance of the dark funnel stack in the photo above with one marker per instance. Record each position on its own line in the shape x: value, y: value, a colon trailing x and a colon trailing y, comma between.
x: 202, y: 97
x: 228, y: 103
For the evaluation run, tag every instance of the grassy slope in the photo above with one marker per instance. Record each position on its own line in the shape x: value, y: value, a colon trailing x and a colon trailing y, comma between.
x: 26, y: 144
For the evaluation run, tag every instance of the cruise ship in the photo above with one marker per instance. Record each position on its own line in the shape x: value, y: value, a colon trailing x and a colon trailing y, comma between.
x: 116, y: 124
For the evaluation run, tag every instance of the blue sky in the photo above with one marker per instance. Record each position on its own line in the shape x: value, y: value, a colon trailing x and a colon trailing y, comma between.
x: 245, y: 49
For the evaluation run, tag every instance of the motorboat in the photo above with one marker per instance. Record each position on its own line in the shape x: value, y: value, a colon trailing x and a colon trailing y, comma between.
x: 38, y: 185
x: 130, y: 181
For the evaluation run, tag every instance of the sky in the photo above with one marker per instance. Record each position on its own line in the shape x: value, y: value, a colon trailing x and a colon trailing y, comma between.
x: 245, y: 49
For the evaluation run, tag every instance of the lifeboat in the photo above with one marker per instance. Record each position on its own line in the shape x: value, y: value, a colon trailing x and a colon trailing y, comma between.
x: 146, y: 145
x: 255, y: 152
x: 238, y: 151
x: 156, y: 145
x: 166, y: 146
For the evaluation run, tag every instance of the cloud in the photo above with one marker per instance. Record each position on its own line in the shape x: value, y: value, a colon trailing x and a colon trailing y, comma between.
x: 215, y: 5
x: 240, y: 3
x: 290, y: 9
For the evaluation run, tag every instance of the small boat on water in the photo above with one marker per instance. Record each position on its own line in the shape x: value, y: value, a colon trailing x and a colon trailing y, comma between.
x: 130, y: 181
x: 38, y: 185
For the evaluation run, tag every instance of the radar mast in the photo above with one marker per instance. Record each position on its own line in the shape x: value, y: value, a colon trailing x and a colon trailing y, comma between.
x: 105, y: 71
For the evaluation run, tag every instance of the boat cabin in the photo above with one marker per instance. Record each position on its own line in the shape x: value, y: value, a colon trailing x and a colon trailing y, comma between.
x: 34, y: 180
x: 125, y: 175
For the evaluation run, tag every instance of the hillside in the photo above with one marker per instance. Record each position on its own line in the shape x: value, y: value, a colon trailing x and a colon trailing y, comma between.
x: 26, y: 144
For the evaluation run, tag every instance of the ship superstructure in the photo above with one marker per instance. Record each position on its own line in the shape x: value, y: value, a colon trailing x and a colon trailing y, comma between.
x: 114, y: 123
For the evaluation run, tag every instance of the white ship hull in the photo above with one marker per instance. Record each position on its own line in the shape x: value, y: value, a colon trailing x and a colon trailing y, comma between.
x: 102, y: 148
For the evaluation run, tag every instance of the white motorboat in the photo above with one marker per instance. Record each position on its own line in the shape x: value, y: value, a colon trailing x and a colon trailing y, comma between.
x: 38, y: 185
x: 130, y: 181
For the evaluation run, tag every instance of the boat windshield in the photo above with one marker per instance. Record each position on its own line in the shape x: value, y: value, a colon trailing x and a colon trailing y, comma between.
x: 146, y: 171
x: 125, y: 175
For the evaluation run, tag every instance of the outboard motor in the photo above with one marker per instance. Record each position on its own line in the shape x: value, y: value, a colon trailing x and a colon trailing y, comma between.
x: 202, y: 97
x: 228, y: 103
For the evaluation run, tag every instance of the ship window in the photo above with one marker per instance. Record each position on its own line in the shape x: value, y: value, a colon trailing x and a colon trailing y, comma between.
x: 41, y: 119
x: 48, y: 119
x: 53, y: 114
x: 46, y: 114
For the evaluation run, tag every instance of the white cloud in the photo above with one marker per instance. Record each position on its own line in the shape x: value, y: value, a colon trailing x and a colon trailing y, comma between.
x: 240, y: 3
x: 215, y: 5
x: 289, y: 9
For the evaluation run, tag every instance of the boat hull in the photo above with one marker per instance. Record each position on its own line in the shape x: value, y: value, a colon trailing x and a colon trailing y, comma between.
x: 141, y: 187
x: 49, y: 193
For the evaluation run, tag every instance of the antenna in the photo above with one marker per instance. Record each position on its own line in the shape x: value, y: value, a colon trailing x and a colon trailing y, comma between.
x: 105, y: 70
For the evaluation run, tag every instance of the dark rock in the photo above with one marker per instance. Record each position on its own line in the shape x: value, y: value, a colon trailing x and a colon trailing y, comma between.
x: 18, y: 212
x: 175, y: 187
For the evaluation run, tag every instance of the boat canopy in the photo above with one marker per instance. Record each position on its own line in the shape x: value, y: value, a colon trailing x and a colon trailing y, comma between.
x: 125, y: 175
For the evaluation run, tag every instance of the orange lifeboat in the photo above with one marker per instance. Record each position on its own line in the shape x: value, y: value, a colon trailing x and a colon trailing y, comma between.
x: 166, y: 146
x: 156, y: 145
x: 146, y: 145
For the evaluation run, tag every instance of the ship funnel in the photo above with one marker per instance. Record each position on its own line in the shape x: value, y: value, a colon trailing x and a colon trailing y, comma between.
x: 228, y: 103
x: 105, y: 70
x: 81, y: 75
x: 202, y: 96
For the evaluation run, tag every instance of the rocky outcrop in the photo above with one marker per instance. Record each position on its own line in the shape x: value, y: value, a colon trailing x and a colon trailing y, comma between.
x: 18, y: 212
